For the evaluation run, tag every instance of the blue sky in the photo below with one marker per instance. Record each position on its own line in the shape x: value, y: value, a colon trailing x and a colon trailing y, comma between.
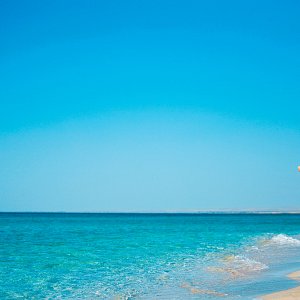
x: 149, y: 105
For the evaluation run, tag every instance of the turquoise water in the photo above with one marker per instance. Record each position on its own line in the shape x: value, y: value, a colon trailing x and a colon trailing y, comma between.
x: 146, y: 256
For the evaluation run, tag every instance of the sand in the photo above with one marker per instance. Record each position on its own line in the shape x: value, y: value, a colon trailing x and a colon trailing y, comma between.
x: 195, y: 290
x: 290, y: 294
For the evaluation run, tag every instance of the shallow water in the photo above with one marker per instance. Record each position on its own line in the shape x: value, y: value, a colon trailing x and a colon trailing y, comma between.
x: 146, y: 256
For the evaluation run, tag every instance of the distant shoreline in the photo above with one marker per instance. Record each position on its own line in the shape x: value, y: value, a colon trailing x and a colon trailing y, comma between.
x: 161, y: 212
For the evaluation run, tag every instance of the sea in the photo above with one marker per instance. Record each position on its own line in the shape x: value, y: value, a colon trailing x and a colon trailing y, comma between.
x: 147, y: 256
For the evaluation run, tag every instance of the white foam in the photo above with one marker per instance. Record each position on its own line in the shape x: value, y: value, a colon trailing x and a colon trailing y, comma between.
x: 247, y: 264
x: 282, y: 239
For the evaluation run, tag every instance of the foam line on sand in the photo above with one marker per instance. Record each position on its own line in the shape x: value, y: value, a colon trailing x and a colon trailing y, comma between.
x: 290, y: 294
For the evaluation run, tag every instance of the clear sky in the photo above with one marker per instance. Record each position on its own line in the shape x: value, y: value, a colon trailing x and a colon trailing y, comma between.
x: 149, y: 105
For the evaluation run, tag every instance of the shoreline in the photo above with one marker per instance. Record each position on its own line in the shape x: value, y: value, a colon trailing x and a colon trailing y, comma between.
x: 166, y: 212
x: 289, y: 294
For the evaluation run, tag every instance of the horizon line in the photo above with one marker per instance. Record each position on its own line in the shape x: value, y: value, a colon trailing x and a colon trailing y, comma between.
x: 161, y: 212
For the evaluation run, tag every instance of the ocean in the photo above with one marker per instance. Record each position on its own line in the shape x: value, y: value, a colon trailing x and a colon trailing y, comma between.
x: 146, y: 256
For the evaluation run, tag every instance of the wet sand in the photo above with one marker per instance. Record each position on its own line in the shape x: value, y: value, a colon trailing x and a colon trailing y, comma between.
x: 290, y: 294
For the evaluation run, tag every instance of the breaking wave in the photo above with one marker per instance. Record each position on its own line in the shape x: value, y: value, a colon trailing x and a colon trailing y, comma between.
x: 256, y: 257
x: 281, y: 240
x: 244, y: 263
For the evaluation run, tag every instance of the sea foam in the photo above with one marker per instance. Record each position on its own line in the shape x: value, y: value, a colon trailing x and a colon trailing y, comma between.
x: 283, y: 240
x: 243, y: 264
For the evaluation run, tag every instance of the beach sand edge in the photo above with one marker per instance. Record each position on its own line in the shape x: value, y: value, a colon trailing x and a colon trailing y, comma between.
x: 290, y: 294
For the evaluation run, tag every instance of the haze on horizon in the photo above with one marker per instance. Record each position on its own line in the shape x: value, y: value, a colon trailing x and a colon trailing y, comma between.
x: 149, y: 106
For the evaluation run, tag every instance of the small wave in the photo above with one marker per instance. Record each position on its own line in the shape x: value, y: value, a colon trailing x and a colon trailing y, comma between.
x: 282, y: 240
x: 244, y: 263
x: 238, y: 265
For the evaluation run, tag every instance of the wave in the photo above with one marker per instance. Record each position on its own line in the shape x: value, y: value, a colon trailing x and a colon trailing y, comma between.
x: 281, y: 240
x: 244, y: 263
x: 256, y: 257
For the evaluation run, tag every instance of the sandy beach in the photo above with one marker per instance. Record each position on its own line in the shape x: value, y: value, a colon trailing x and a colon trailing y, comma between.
x: 290, y: 294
